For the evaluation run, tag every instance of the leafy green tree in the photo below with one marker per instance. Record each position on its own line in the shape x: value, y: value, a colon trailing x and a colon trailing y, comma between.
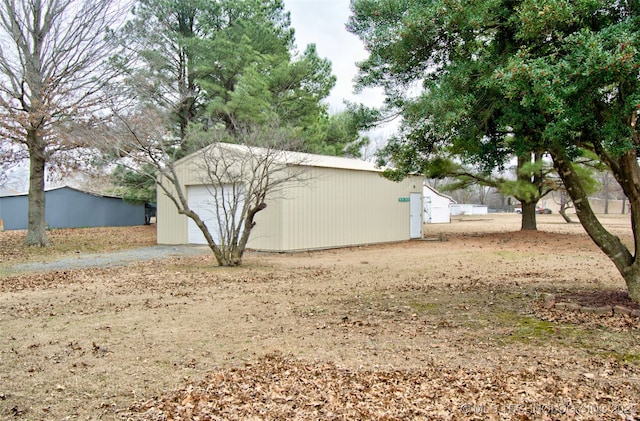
x: 435, y: 62
x: 588, y: 80
x: 337, y: 135
x: 135, y: 186
x: 223, y: 62
x: 505, y: 78
x: 159, y: 59
x: 207, y: 64
x: 221, y: 70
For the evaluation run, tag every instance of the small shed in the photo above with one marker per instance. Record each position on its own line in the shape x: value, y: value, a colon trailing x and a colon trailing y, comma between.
x: 67, y: 207
x: 436, y: 206
x: 469, y: 209
x: 340, y: 202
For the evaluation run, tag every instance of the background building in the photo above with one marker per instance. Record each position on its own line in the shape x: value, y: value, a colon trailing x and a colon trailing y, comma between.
x: 67, y: 207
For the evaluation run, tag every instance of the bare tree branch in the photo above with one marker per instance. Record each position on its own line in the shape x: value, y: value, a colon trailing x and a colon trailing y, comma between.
x: 53, y: 71
x: 241, y: 178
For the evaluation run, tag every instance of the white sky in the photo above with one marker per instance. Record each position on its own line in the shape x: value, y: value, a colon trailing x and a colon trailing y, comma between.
x: 322, y: 22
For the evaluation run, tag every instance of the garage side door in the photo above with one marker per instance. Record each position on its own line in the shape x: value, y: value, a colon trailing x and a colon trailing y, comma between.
x: 416, y: 210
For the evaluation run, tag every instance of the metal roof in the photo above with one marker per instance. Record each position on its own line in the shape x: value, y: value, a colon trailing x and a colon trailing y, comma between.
x: 293, y: 158
x: 12, y: 193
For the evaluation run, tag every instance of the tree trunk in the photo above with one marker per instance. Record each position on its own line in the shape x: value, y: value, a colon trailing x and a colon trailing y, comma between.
x: 625, y: 262
x: 605, y: 190
x: 632, y: 279
x: 527, y: 200
x: 36, y: 228
x: 528, y: 216
x: 565, y: 203
x: 249, y: 223
x: 219, y: 254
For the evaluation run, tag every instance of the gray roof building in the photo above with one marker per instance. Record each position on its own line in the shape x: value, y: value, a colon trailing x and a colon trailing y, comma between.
x: 67, y: 207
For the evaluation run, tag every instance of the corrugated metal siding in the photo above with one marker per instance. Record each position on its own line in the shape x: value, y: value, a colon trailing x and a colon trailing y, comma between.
x: 171, y: 227
x: 14, y: 212
x: 267, y: 234
x: 66, y: 207
x: 69, y: 208
x: 344, y: 207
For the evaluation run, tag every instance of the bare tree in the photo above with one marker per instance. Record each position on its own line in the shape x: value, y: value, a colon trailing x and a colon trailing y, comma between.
x: 52, y: 72
x: 562, y: 198
x: 483, y: 193
x: 242, y: 177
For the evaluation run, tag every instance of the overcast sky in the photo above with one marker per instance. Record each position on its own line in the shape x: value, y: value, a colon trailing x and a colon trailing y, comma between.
x: 322, y: 22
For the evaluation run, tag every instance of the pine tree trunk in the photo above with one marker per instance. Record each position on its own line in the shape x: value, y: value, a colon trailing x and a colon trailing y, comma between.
x: 528, y: 203
x: 528, y: 216
x: 36, y: 220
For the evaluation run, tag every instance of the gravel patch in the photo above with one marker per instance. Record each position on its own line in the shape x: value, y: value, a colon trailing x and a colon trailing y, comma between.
x: 112, y: 259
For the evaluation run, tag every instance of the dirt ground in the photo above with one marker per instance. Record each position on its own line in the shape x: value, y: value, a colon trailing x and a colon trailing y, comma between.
x: 450, y: 327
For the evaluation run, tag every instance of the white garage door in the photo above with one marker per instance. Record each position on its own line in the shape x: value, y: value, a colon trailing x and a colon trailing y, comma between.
x: 204, y: 200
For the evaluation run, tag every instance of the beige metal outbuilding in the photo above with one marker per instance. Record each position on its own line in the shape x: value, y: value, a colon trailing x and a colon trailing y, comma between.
x: 341, y: 202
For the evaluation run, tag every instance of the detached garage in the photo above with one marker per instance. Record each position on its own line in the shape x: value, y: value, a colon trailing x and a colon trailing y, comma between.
x: 336, y: 202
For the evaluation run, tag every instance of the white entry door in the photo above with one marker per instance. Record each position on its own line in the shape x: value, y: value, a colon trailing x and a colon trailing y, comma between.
x: 415, y: 209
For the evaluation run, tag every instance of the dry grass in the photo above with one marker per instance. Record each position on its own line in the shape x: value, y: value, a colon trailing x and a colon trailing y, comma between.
x: 68, y: 242
x: 420, y: 329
